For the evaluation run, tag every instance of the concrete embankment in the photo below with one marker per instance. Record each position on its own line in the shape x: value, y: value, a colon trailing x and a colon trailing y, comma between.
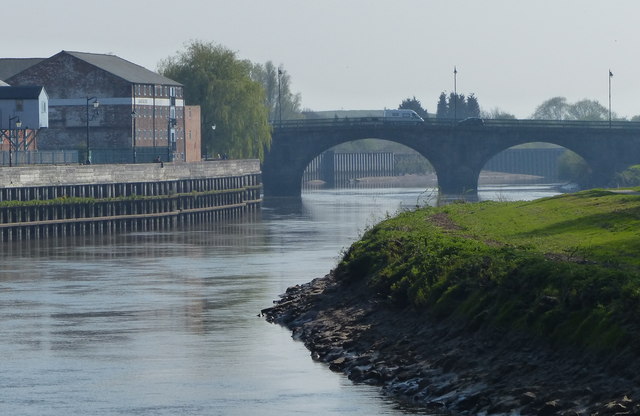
x: 45, y: 201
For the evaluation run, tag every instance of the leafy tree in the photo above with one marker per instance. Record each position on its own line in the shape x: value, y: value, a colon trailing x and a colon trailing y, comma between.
x: 555, y: 108
x: 457, y: 106
x: 214, y: 78
x: 629, y: 177
x: 588, y: 110
x: 472, y: 107
x: 277, y: 91
x: 415, y: 105
x: 497, y: 113
x: 443, y: 107
x: 572, y: 167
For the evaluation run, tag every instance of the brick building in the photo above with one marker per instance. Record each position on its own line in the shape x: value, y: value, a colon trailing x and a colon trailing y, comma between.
x: 111, y: 110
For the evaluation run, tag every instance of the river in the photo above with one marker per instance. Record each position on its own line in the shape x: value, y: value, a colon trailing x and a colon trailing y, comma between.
x: 165, y: 323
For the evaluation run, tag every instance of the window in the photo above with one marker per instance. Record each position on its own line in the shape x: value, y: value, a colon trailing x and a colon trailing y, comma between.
x: 19, y: 105
x: 43, y: 107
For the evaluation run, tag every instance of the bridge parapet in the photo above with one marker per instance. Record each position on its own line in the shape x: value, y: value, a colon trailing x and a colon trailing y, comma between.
x: 433, y: 122
x: 458, y: 152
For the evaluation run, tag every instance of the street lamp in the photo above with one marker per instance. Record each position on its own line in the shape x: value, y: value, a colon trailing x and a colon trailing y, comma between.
x: 96, y: 104
x: 610, y: 76
x: 18, y: 125
x: 279, y: 96
x: 134, y: 116
x: 455, y: 94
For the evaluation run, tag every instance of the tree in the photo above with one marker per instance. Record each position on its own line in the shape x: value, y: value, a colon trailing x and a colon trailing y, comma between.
x: 588, y: 110
x: 442, y: 109
x: 457, y: 106
x: 277, y: 91
x: 555, y: 108
x: 220, y: 83
x: 415, y: 105
x: 572, y: 167
x: 497, y: 113
x: 473, y: 107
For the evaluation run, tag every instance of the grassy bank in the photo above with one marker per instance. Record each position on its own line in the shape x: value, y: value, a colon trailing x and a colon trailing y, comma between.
x: 564, y: 268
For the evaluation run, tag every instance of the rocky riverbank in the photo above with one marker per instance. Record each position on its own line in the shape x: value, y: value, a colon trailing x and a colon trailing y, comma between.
x: 446, y: 367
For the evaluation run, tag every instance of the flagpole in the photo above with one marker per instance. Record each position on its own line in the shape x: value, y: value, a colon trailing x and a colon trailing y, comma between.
x: 455, y: 94
x: 610, y: 76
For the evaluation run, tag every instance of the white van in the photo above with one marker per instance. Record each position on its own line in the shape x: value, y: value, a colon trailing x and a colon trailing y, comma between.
x: 402, y: 116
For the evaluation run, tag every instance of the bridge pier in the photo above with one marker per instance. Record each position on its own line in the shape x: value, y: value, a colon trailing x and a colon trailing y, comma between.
x: 281, y: 182
x: 457, y: 180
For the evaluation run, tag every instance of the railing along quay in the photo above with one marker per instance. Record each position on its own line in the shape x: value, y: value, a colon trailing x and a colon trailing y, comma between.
x: 59, y: 210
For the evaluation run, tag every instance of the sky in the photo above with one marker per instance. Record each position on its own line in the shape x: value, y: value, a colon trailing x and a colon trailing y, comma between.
x: 369, y: 54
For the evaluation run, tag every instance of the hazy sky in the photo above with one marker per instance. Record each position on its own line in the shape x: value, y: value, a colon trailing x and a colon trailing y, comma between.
x: 368, y: 54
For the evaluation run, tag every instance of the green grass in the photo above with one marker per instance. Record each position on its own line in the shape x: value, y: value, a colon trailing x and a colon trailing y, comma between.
x: 563, y: 268
x: 598, y: 225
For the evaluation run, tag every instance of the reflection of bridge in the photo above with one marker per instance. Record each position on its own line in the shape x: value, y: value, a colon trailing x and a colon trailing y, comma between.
x: 458, y: 153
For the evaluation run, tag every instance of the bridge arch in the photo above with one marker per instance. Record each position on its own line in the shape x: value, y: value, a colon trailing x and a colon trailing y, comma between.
x: 457, y: 153
x: 534, y: 162
x: 357, y: 159
x: 283, y: 170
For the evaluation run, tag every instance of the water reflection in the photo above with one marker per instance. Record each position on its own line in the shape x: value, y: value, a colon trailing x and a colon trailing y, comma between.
x: 165, y: 323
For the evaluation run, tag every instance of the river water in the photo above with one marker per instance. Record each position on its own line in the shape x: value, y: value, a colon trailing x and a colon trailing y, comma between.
x: 165, y: 323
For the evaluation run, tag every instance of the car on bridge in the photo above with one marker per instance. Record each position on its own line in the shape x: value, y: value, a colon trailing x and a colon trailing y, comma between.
x: 471, y: 121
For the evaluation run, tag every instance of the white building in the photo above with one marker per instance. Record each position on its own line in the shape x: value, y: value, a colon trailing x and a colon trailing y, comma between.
x: 24, y: 107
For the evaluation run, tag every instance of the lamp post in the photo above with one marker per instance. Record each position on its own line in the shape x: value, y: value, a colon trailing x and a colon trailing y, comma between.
x: 134, y: 115
x: 96, y: 104
x: 18, y: 125
x: 610, y: 76
x: 279, y: 96
x: 455, y: 94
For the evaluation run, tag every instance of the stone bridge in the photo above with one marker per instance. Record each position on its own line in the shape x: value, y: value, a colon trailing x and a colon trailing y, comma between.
x: 457, y: 152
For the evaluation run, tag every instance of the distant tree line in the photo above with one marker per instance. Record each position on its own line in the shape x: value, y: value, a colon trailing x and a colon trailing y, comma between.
x: 557, y: 108
x: 457, y: 106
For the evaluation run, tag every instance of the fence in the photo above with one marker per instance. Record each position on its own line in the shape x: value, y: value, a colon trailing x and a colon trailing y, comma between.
x: 54, y: 157
x: 342, y: 169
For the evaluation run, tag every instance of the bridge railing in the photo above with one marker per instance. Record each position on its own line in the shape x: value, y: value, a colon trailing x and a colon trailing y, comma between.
x: 433, y: 122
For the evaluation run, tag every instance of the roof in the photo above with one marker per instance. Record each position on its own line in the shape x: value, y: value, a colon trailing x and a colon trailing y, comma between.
x: 11, y: 66
x: 20, y: 93
x: 122, y: 68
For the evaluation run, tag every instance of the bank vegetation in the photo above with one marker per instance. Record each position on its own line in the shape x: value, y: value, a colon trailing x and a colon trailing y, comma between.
x: 564, y: 269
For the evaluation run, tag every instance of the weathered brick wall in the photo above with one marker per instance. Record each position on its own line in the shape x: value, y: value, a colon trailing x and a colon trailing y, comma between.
x: 66, y: 78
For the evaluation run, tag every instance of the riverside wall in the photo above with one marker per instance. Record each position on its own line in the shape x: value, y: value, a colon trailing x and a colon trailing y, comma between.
x: 44, y: 201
